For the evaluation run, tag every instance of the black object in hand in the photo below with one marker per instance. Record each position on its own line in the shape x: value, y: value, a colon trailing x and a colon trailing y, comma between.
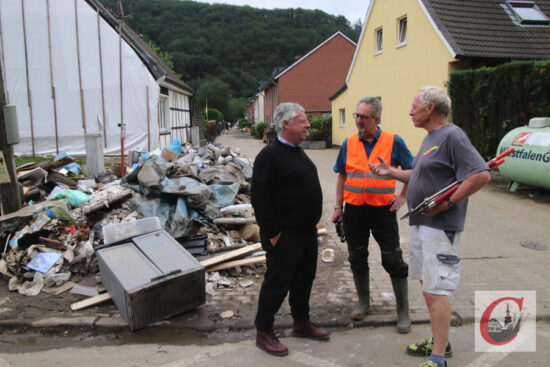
x: 340, y: 229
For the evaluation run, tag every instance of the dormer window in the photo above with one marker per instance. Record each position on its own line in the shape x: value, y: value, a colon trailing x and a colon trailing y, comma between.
x: 527, y: 12
x: 379, y: 46
x: 402, y: 32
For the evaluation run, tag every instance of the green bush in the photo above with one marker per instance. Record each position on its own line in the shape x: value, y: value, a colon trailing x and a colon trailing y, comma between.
x: 321, y: 129
x: 489, y: 102
x: 215, y: 114
x: 242, y: 123
x: 259, y: 130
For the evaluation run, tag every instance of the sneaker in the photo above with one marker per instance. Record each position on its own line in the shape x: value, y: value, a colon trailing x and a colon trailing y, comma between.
x: 430, y: 364
x: 425, y: 347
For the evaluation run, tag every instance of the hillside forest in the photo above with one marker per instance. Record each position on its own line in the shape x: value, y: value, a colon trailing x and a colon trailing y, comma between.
x: 225, y: 51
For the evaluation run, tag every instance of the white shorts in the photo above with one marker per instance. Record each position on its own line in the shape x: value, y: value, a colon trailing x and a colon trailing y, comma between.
x: 434, y: 260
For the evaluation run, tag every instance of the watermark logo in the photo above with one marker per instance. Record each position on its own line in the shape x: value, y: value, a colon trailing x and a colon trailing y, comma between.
x: 505, y: 321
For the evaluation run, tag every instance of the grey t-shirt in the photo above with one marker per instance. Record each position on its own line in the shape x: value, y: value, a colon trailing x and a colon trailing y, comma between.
x: 445, y: 156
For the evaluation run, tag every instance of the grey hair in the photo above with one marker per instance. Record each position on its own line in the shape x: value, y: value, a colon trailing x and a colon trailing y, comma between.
x: 285, y: 112
x: 376, y: 104
x: 440, y: 99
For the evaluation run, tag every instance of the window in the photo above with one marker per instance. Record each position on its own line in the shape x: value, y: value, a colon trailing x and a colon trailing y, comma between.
x: 379, y: 40
x: 527, y: 13
x: 163, y: 113
x: 342, y: 117
x: 402, y: 32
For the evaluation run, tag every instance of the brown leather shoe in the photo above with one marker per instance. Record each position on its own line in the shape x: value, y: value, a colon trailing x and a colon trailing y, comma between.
x: 304, y: 328
x: 266, y: 340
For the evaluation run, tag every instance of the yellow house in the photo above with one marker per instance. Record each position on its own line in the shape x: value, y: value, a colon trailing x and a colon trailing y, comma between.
x: 406, y: 44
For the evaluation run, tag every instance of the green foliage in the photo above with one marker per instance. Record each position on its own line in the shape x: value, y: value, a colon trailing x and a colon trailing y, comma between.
x: 239, y: 44
x: 165, y: 56
x: 215, y: 91
x: 214, y: 114
x: 321, y: 129
x: 212, y: 131
x: 235, y: 109
x: 19, y: 161
x: 259, y: 128
x: 242, y: 123
x: 489, y: 102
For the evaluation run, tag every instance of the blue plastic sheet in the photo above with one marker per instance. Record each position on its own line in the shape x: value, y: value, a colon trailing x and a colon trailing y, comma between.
x: 71, y: 167
x: 175, y: 146
x: 225, y: 194
x: 76, y: 198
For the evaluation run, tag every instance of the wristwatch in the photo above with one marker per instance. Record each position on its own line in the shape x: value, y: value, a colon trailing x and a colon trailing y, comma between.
x: 450, y: 203
x: 338, y: 207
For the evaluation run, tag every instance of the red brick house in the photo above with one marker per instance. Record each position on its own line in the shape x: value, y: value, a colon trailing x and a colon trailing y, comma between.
x: 311, y: 80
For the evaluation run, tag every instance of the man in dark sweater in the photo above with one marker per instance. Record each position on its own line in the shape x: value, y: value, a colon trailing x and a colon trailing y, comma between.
x: 287, y: 201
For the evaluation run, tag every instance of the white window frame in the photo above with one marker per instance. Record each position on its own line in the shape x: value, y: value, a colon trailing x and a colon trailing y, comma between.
x: 164, y: 114
x: 402, y: 31
x: 379, y: 40
x: 342, y: 117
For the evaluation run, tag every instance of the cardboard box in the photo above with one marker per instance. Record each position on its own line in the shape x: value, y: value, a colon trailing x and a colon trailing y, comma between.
x: 170, y: 156
x: 151, y: 277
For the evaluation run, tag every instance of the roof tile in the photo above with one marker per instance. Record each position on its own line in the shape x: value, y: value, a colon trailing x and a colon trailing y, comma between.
x: 483, y: 28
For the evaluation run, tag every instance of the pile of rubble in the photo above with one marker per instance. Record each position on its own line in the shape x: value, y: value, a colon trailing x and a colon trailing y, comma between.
x: 200, y: 196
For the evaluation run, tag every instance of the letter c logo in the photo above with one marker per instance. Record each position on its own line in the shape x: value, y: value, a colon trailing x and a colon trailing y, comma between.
x: 484, y: 322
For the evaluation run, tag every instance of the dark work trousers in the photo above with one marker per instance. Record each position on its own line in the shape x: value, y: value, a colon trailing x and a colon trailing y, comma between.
x: 359, y: 223
x: 291, y: 266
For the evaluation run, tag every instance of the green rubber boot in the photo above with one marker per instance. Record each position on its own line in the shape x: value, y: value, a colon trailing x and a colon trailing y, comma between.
x: 400, y: 289
x: 363, y: 292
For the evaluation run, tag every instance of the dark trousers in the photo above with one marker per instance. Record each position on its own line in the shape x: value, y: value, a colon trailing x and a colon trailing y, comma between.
x: 291, y: 266
x: 359, y: 223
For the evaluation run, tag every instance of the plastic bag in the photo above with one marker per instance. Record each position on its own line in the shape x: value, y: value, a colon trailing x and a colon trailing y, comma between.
x: 76, y: 198
x: 175, y: 146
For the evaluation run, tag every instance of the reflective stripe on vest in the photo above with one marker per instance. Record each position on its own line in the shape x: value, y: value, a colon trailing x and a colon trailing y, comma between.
x: 362, y: 186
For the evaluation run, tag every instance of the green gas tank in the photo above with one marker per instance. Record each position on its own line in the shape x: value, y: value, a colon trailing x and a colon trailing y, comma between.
x: 529, y: 164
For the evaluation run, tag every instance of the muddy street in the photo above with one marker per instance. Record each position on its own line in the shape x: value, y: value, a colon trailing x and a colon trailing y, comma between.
x: 347, y: 347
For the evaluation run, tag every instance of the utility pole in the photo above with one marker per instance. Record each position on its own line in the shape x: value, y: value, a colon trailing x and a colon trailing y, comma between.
x: 9, y: 191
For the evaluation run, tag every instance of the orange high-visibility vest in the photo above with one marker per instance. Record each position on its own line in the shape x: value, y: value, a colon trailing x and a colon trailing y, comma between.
x: 362, y: 185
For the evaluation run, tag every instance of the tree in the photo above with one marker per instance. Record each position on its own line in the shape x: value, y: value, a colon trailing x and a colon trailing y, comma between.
x: 238, y: 44
x: 235, y: 109
x: 165, y: 56
x: 215, y: 91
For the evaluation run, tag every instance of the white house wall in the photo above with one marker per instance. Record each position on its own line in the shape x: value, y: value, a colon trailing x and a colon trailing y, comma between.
x: 180, y: 121
x: 179, y: 117
x: 259, y: 104
x: 72, y: 124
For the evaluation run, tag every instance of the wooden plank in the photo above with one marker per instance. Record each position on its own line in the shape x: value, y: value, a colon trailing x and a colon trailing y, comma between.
x: 232, y: 264
x: 92, y: 301
x: 58, y: 290
x: 238, y: 220
x: 230, y: 255
x: 111, y: 199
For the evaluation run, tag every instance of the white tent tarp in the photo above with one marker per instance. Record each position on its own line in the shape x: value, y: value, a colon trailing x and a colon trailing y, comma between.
x: 49, y: 125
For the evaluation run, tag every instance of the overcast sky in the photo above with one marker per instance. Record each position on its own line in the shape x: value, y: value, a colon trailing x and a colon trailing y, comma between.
x: 351, y: 9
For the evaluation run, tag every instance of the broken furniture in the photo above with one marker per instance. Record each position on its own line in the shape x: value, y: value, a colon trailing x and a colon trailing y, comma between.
x: 148, y: 274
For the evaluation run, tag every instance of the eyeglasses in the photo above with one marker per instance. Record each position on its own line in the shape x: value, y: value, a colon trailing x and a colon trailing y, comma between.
x: 362, y: 117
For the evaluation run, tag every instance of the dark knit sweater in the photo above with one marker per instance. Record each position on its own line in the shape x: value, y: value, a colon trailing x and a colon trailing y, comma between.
x: 286, y: 192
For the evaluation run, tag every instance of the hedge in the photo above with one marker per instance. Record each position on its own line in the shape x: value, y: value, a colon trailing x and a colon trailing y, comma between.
x: 321, y: 129
x: 489, y: 102
x: 258, y: 131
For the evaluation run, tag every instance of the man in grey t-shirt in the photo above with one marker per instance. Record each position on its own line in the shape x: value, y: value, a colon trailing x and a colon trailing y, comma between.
x: 445, y: 156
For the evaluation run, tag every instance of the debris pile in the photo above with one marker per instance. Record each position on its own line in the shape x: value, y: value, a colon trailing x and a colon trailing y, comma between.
x: 201, y: 197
